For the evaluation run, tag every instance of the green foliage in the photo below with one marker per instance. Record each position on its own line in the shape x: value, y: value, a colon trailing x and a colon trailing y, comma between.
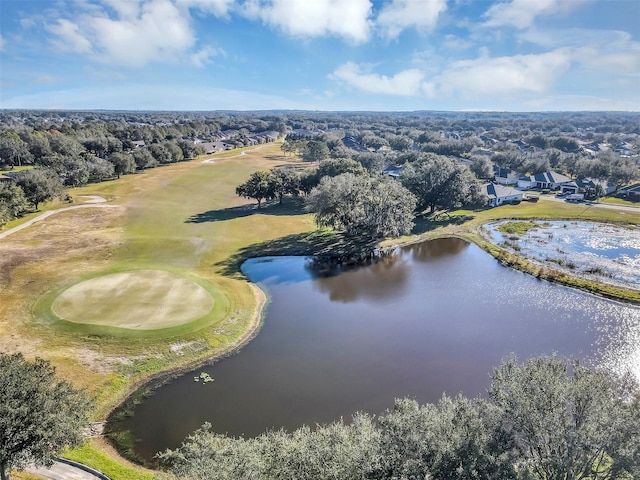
x: 259, y: 186
x: 520, y: 228
x: 362, y: 205
x: 100, y: 169
x: 39, y: 414
x: 13, y: 203
x: 13, y: 149
x: 39, y: 185
x: 439, y: 182
x: 123, y: 163
x: 565, y: 144
x: 143, y: 159
x: 337, y: 166
x: 315, y: 150
x: 284, y: 182
x: 456, y: 438
x: 550, y: 418
x: 482, y: 168
x: 568, y: 421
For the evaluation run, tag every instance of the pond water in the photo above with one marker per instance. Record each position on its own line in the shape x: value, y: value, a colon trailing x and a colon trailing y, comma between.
x: 605, y: 252
x: 434, y: 318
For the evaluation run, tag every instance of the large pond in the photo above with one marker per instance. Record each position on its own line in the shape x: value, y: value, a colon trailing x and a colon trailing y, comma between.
x: 434, y: 318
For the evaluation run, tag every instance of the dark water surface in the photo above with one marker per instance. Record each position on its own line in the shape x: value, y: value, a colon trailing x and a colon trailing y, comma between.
x: 435, y: 318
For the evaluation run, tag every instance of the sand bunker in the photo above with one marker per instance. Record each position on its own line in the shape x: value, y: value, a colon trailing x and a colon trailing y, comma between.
x: 138, y: 299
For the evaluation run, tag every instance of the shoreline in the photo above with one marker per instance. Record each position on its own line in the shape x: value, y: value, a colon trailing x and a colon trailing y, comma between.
x: 254, y: 326
x: 152, y: 382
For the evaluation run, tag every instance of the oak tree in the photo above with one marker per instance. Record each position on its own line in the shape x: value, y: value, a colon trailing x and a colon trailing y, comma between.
x: 39, y: 414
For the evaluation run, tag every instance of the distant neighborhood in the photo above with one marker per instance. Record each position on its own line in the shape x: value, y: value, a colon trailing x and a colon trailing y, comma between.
x: 576, y: 155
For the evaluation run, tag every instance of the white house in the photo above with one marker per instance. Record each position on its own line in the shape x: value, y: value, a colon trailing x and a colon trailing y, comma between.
x: 550, y: 180
x: 500, y: 194
x: 505, y: 176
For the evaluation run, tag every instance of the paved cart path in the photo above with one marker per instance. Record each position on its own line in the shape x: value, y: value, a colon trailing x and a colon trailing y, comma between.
x: 94, y: 202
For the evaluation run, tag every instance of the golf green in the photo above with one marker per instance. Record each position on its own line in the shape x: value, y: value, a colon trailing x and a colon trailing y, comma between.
x: 136, y: 299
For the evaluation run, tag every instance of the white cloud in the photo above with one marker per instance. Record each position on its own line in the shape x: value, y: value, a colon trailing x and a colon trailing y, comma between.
x: 402, y: 14
x: 503, y: 76
x: 219, y: 8
x: 485, y: 77
x: 125, y: 8
x: 405, y: 83
x: 522, y: 13
x: 205, y: 55
x: 312, y: 18
x: 158, y: 32
x: 70, y: 37
x: 137, y: 32
x: 452, y: 42
x: 597, y: 49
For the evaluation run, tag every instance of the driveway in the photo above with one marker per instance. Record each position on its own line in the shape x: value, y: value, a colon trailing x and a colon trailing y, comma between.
x: 609, y: 206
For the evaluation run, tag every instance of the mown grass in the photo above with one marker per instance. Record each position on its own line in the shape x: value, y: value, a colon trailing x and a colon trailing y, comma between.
x: 96, y: 454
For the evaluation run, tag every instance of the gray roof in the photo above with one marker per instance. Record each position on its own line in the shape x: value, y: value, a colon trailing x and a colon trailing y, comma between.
x: 496, y: 190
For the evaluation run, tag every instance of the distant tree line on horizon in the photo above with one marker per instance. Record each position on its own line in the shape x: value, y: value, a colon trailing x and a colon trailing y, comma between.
x: 84, y: 147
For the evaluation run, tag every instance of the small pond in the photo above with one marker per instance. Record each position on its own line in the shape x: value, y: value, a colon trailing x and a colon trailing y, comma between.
x: 434, y: 318
x: 604, y: 252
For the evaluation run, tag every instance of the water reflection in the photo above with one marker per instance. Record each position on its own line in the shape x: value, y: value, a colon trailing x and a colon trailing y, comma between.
x: 378, y: 282
x: 435, y: 249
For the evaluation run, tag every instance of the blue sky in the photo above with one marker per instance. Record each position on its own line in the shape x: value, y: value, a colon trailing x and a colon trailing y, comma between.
x: 513, y: 55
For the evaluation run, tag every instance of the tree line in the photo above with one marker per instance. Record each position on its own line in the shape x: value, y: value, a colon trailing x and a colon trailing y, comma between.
x: 344, y: 195
x: 548, y: 418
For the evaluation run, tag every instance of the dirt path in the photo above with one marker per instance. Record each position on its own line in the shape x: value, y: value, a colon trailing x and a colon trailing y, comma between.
x: 94, y: 202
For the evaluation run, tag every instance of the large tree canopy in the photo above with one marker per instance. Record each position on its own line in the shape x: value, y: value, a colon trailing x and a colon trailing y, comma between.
x: 567, y: 421
x: 259, y: 186
x: 39, y: 185
x: 39, y: 414
x: 439, y: 182
x: 362, y: 205
x: 13, y: 203
x: 315, y: 150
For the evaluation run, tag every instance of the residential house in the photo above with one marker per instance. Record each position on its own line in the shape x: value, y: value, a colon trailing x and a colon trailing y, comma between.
x: 504, y: 176
x: 500, y: 194
x: 551, y: 180
x: 213, y: 147
x: 579, y: 186
x: 630, y: 192
x: 392, y: 170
